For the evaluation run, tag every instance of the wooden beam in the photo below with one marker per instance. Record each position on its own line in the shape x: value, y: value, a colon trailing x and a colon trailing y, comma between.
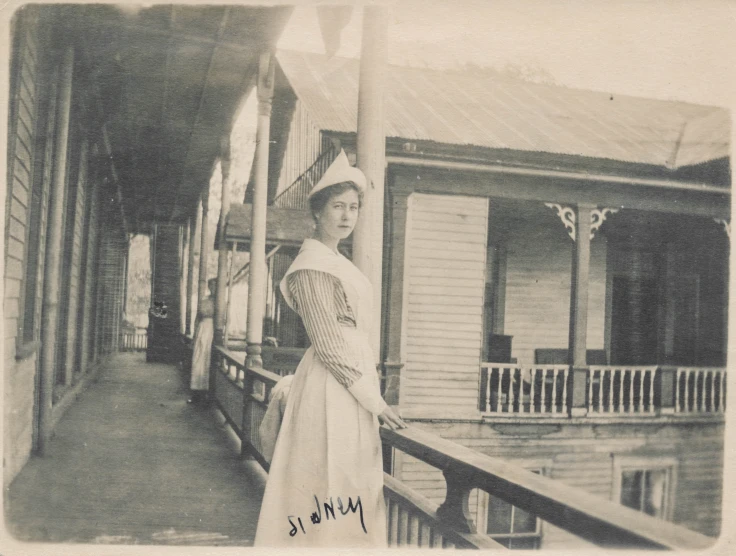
x: 371, y: 143
x: 52, y: 268
x: 257, y: 277
x: 198, y: 114
x: 566, y: 188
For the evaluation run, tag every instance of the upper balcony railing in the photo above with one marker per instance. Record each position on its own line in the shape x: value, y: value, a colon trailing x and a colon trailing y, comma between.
x: 242, y: 395
x: 511, y: 390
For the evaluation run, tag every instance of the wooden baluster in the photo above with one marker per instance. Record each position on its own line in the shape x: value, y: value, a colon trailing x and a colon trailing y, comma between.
x: 590, y: 390
x: 622, y: 375
x: 455, y: 510
x: 564, y: 391
x: 403, y: 527
x: 640, y: 406
x: 531, y: 390
x: 677, y: 391
x: 437, y: 540
x: 688, y: 406
x: 651, y: 390
x: 395, y: 524
x: 414, y: 530
x: 425, y: 535
x: 489, y: 372
x: 721, y: 397
x: 609, y: 373
x: 553, y: 401
x: 512, y: 390
x: 700, y: 379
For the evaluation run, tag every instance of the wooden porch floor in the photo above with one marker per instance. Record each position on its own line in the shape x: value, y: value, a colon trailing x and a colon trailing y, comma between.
x: 133, y: 463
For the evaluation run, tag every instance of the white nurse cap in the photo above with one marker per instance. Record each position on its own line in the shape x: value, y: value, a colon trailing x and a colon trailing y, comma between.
x: 339, y: 171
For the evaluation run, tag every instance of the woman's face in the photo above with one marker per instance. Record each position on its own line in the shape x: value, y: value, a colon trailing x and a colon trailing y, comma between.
x: 339, y: 216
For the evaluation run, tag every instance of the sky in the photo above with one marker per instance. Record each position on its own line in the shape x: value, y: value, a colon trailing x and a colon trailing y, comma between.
x: 672, y: 50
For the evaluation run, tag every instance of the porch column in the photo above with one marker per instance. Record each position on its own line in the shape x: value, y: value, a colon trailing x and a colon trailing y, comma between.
x: 222, y: 256
x: 398, y: 292
x: 636, y: 301
x: 52, y: 268
x: 368, y: 234
x: 194, y: 239
x: 257, y: 277
x: 579, y: 311
x: 204, y: 247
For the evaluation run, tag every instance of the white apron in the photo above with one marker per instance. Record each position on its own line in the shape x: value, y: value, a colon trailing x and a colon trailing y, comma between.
x: 325, y: 484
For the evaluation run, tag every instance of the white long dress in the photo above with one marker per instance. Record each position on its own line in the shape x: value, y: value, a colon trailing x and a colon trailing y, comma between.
x: 202, y: 349
x: 325, y: 484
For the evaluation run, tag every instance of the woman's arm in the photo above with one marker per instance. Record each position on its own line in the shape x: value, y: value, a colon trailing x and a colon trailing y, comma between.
x: 314, y: 292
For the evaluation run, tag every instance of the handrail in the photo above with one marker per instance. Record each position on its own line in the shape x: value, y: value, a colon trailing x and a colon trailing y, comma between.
x: 416, y: 521
x: 590, y: 517
x: 319, y: 165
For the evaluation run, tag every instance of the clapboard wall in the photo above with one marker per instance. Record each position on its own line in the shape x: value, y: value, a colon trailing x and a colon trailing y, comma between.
x: 586, y: 454
x: 302, y: 141
x: 444, y: 286
x: 20, y: 363
x: 92, y: 241
x: 538, y: 281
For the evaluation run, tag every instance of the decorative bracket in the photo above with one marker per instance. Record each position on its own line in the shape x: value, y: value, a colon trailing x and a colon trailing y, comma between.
x: 598, y: 217
x: 726, y: 225
x: 567, y: 215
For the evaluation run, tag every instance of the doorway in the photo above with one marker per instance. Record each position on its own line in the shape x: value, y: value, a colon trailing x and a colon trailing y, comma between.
x: 634, y: 323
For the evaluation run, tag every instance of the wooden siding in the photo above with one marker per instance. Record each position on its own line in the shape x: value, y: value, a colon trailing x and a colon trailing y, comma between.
x: 20, y: 375
x: 303, y: 146
x: 444, y: 304
x: 583, y: 455
x: 538, y: 275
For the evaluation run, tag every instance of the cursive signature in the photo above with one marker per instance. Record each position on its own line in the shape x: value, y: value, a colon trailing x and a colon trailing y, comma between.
x: 329, y: 510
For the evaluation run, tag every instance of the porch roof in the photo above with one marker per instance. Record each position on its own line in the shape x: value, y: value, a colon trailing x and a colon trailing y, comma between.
x: 486, y: 109
x: 164, y: 84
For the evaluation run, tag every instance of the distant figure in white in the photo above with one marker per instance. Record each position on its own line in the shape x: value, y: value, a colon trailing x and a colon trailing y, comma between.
x: 325, y: 484
x: 202, y: 350
x: 237, y: 317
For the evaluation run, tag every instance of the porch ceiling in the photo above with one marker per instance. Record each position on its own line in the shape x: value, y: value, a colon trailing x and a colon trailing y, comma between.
x: 167, y: 81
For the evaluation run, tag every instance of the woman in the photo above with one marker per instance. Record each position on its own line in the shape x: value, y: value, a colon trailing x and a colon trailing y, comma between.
x: 325, y: 483
x: 202, y: 349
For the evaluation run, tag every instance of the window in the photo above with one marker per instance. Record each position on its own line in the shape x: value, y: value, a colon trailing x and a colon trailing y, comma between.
x: 646, y: 485
x: 508, y: 525
x: 645, y: 490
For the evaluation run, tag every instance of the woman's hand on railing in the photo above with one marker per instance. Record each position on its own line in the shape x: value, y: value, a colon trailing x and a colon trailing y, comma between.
x: 389, y: 418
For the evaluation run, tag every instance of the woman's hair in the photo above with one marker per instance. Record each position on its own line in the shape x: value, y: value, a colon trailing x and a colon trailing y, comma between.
x: 212, y: 284
x: 318, y: 201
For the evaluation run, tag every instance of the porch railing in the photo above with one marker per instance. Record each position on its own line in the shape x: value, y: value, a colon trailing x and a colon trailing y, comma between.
x: 413, y: 520
x: 621, y: 390
x: 134, y: 340
x: 700, y: 390
x: 512, y: 390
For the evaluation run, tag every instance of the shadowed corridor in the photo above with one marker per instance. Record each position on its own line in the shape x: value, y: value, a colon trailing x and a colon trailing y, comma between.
x: 133, y: 463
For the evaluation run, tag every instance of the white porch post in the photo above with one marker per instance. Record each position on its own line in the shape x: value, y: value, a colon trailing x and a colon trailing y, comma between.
x: 222, y: 266
x: 579, y: 311
x: 371, y: 144
x: 194, y: 238
x: 257, y: 277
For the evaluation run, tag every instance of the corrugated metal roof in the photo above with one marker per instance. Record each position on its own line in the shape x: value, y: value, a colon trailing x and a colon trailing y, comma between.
x: 484, y: 110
